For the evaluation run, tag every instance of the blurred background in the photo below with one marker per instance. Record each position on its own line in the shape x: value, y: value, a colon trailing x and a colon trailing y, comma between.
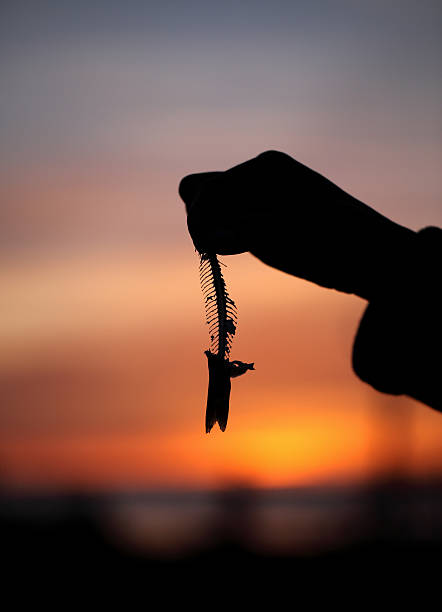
x: 105, y: 105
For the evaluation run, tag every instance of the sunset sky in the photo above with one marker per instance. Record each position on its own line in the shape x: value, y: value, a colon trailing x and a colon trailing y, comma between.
x: 104, y: 107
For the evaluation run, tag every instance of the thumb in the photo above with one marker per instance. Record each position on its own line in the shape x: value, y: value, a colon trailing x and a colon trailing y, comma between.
x: 191, y: 185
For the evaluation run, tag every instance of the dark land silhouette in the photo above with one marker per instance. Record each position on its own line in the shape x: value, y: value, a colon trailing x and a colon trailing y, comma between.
x: 371, y: 532
x: 297, y: 221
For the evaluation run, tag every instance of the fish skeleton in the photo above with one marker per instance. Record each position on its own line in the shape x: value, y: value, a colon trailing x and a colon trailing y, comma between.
x: 221, y: 317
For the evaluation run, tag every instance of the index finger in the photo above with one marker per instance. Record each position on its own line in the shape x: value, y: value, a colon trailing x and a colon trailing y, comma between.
x: 191, y: 185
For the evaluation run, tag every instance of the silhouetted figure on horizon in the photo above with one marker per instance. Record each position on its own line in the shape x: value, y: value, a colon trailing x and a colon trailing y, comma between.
x: 297, y: 221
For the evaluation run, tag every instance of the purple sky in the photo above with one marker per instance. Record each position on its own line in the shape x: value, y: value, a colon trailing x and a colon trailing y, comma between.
x: 119, y: 100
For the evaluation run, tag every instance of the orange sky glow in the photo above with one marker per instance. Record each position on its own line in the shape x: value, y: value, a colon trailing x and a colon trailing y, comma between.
x: 104, y: 380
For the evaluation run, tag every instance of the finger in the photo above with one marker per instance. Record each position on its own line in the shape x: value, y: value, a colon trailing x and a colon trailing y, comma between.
x: 215, y: 237
x: 191, y: 185
x: 224, y: 204
x: 211, y: 221
x: 222, y: 207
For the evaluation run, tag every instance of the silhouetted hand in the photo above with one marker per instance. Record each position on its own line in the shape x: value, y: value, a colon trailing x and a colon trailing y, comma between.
x: 296, y: 220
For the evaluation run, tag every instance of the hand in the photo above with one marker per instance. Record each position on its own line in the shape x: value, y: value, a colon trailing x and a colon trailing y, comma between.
x: 297, y: 221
